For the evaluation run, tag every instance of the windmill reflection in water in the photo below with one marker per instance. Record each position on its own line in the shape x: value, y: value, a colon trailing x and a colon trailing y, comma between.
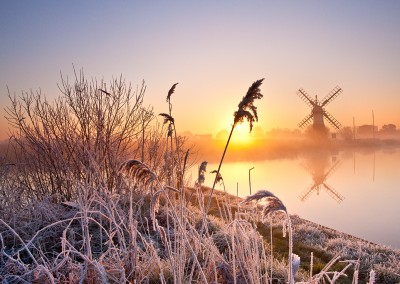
x: 320, y: 169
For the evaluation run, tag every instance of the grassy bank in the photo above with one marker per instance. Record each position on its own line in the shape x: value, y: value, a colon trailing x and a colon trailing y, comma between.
x: 114, y: 239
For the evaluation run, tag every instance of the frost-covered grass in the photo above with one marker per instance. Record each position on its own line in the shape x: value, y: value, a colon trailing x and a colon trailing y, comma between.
x: 95, y: 192
x: 110, y: 238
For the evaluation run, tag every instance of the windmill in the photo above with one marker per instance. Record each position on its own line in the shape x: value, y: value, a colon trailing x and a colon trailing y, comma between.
x: 319, y: 178
x: 318, y: 111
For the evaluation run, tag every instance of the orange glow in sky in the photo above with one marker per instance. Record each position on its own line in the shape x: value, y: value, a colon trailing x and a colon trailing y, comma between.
x: 215, y: 50
x: 241, y: 135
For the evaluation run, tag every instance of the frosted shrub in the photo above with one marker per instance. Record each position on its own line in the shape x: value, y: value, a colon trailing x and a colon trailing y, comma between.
x: 309, y: 235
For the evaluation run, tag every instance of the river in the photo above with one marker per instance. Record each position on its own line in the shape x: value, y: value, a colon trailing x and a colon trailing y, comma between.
x: 356, y: 191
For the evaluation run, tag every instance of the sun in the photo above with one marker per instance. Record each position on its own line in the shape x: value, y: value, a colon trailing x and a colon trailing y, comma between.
x: 241, y: 135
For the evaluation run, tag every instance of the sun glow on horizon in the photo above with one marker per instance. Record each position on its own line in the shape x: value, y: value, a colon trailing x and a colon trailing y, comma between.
x: 241, y: 136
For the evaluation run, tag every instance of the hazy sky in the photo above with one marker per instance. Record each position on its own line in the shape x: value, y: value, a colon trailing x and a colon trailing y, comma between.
x: 215, y: 50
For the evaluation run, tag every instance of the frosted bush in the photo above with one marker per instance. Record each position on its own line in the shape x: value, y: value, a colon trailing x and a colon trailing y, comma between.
x: 309, y: 235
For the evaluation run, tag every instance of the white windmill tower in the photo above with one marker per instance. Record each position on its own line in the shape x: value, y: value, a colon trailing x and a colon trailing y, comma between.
x: 318, y: 112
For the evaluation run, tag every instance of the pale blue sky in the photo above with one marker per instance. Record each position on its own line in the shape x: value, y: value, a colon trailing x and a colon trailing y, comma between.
x: 215, y: 50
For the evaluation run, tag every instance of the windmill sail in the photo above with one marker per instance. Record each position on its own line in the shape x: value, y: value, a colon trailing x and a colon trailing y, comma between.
x: 306, y: 121
x: 332, y: 169
x: 319, y: 176
x: 303, y: 197
x: 318, y: 113
x: 305, y: 97
x: 333, y: 193
x: 333, y: 121
x: 333, y: 94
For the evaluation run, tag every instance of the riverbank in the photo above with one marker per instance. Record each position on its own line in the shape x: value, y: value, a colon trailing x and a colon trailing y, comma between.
x: 139, y: 236
x: 322, y: 244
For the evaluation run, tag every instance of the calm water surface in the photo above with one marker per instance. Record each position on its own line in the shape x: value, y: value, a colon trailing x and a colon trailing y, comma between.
x: 356, y: 192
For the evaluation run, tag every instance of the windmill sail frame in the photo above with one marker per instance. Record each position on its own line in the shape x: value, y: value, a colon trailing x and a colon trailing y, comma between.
x: 318, y: 112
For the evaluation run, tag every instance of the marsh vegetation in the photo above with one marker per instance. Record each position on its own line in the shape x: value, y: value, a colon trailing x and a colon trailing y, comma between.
x: 93, y: 190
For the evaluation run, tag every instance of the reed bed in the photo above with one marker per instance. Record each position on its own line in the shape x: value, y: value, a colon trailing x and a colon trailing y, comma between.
x: 97, y: 193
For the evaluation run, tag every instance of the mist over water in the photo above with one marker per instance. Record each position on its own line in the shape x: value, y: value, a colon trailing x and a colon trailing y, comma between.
x: 354, y: 191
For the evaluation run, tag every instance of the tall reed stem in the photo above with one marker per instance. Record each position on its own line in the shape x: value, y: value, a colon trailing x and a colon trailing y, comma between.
x: 250, y: 179
x: 246, y: 110
x: 219, y: 168
x: 271, y: 256
x: 291, y: 276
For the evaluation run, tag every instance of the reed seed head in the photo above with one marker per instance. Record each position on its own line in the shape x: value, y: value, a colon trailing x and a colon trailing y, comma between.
x: 138, y: 172
x: 273, y: 203
x: 246, y: 108
x: 170, y: 92
x: 258, y: 196
x: 219, y: 176
x: 202, y: 170
x: 167, y: 118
